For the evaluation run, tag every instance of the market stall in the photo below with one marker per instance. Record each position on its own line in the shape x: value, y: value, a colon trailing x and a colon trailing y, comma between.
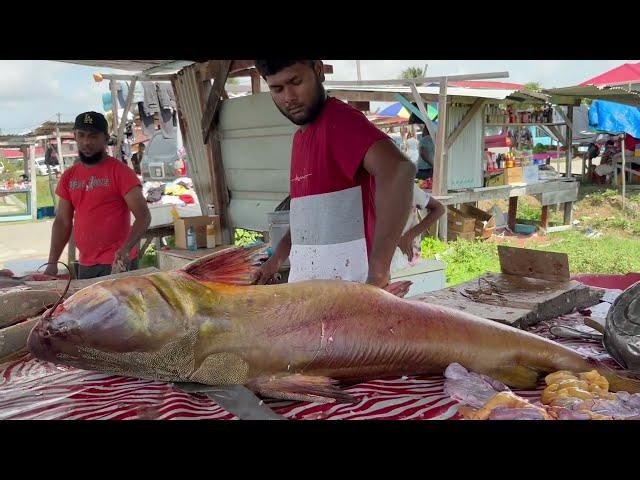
x: 463, y: 172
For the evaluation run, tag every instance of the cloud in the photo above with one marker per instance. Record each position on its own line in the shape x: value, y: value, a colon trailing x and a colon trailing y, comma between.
x: 549, y: 73
x: 32, y: 92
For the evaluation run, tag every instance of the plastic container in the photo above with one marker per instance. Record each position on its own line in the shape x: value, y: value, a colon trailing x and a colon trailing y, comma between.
x: 191, y: 239
x: 278, y: 228
x: 211, y: 236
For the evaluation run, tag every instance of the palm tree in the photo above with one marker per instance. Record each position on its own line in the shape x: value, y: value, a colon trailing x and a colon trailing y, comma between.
x: 532, y: 87
x: 413, y: 72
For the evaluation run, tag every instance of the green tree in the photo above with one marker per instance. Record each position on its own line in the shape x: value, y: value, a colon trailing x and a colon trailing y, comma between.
x: 532, y: 87
x: 412, y: 72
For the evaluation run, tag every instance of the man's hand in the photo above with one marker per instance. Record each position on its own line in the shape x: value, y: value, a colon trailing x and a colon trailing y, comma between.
x: 267, y: 271
x: 121, y: 262
x: 406, y: 245
x: 378, y: 279
x: 52, y: 269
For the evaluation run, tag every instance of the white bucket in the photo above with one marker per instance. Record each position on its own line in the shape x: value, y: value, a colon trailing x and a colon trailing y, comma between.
x: 278, y: 227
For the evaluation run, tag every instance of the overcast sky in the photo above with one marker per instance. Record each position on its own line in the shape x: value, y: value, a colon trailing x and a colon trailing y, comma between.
x: 32, y: 92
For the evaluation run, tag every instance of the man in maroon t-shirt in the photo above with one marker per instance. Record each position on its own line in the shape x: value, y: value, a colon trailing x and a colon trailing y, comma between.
x: 96, y: 198
x: 351, y: 188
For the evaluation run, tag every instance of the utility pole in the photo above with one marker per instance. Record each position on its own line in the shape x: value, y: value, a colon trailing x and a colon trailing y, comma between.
x: 59, y: 142
x: 358, y: 69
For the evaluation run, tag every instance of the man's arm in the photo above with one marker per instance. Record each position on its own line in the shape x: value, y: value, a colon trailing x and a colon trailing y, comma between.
x: 424, y: 154
x: 138, y: 206
x: 271, y: 266
x: 394, y: 174
x: 60, y: 233
x: 436, y: 210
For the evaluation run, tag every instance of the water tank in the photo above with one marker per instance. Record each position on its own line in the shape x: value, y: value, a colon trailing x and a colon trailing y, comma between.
x: 159, y: 160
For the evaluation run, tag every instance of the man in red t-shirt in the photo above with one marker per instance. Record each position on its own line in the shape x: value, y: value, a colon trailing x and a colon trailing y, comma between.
x: 351, y: 188
x: 96, y: 198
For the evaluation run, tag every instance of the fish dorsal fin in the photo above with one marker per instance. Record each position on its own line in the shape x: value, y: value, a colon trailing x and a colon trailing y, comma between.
x: 232, y: 266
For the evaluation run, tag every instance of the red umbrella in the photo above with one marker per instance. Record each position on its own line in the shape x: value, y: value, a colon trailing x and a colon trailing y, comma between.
x: 624, y: 74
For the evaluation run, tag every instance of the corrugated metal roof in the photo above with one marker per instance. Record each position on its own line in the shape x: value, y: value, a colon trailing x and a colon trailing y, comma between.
x: 170, y: 66
x: 386, y: 93
x: 621, y: 75
x: 612, y: 94
x: 483, y: 84
x: 497, y: 94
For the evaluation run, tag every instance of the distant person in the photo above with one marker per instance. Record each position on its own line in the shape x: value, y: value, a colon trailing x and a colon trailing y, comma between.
x: 136, y: 159
x: 51, y: 157
x: 426, y: 149
x: 96, y: 198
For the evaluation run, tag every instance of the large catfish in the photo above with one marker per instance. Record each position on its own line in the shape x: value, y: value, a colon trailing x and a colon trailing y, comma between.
x: 206, y: 323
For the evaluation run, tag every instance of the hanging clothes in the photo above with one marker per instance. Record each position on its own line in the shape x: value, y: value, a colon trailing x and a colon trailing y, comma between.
x: 123, y: 92
x: 166, y: 123
x: 138, y: 93
x: 167, y: 102
x: 148, y: 127
x: 151, y: 103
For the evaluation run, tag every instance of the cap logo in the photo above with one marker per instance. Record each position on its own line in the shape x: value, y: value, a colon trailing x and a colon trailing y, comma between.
x: 88, y: 119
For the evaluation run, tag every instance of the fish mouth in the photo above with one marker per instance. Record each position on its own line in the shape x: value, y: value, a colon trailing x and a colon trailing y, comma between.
x: 47, y: 342
x: 41, y: 342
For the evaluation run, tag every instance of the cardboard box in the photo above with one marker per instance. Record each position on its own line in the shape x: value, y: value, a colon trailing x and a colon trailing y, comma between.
x: 454, y: 235
x: 458, y: 221
x: 484, y: 223
x: 200, y: 223
x: 513, y: 175
x: 495, y: 180
x: 530, y: 174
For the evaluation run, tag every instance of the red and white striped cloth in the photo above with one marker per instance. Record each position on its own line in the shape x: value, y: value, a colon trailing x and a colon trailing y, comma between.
x: 31, y: 389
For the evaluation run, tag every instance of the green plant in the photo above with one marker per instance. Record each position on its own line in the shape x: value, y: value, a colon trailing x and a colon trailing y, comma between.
x: 244, y: 238
x: 412, y: 72
x: 528, y: 212
x: 149, y: 257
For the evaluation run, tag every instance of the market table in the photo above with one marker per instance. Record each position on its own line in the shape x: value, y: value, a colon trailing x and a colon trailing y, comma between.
x: 31, y: 389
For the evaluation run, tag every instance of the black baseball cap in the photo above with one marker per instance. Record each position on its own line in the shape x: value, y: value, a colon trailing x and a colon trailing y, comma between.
x: 92, y: 121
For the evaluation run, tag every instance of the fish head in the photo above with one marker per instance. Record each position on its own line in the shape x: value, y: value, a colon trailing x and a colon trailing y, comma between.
x: 97, y: 317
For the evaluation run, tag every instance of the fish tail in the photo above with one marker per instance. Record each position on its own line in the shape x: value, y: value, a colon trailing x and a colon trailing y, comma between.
x: 618, y: 382
x: 233, y: 266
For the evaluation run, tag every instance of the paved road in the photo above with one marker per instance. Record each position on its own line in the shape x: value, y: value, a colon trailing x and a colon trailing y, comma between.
x: 25, y: 244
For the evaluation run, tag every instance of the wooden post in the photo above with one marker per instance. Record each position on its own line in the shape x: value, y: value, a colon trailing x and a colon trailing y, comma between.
x: 255, y: 82
x: 440, y: 170
x: 25, y: 159
x: 544, y: 217
x: 209, y: 101
x: 123, y: 121
x: 59, y: 142
x: 624, y: 172
x: 513, y: 210
x: 33, y: 177
x: 568, y: 207
x: 569, y: 140
x: 114, y: 107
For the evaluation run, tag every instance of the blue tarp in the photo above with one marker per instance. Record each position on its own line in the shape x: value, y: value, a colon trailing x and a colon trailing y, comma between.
x: 613, y: 117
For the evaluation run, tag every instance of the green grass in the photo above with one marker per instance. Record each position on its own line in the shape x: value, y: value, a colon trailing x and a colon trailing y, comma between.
x: 465, y: 260
x: 606, y: 254
x: 43, y: 192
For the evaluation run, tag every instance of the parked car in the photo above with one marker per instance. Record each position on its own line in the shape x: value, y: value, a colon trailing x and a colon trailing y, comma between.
x: 44, y: 169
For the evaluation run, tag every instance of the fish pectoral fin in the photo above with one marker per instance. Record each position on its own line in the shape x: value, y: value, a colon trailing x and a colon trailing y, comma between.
x: 399, y: 289
x: 516, y: 376
x: 303, y: 388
